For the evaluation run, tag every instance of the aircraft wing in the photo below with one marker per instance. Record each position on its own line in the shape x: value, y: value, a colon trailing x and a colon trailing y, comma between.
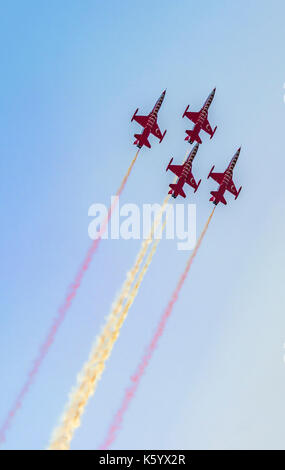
x: 176, y: 169
x: 156, y: 131
x: 207, y: 128
x: 191, y: 180
x: 218, y: 177
x: 231, y: 188
x: 142, y: 120
x: 192, y: 116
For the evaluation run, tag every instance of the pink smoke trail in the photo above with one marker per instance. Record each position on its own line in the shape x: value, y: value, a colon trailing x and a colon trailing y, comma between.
x: 136, y: 378
x: 62, y: 311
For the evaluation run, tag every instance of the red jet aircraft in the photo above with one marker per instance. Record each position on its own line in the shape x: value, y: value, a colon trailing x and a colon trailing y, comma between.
x: 200, y: 120
x: 225, y: 180
x: 184, y: 173
x: 150, y: 125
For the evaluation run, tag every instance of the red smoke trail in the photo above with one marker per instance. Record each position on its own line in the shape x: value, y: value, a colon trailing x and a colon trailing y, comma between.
x: 136, y: 378
x: 62, y: 311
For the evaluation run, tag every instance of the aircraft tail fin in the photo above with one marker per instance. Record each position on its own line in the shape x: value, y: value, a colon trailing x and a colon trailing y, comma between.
x: 176, y: 190
x: 220, y: 198
x: 140, y: 142
x: 192, y: 136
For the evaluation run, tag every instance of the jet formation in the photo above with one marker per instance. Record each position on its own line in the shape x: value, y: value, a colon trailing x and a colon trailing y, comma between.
x: 184, y: 171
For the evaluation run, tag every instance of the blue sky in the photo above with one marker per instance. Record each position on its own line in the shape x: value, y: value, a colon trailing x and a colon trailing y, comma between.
x: 72, y: 75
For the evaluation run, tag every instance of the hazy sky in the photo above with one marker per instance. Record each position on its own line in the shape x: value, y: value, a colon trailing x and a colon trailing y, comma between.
x: 72, y: 74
